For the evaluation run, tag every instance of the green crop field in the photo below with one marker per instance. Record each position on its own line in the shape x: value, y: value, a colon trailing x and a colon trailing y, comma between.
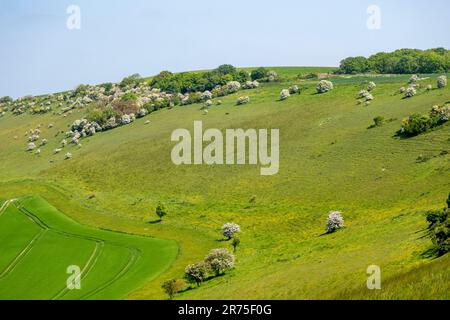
x: 329, y: 160
x: 39, y: 243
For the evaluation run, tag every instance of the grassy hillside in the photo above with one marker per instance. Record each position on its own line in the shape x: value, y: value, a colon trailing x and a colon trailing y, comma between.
x: 329, y: 160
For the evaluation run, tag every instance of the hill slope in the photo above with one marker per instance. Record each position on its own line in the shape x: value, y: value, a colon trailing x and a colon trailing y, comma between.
x: 329, y: 160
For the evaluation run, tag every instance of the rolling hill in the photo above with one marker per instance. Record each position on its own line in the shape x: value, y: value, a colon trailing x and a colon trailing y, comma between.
x: 329, y: 160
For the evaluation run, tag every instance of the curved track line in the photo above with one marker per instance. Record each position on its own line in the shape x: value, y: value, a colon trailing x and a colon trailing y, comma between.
x: 134, y: 256
x: 22, y: 254
x: 135, y: 253
x: 86, y: 269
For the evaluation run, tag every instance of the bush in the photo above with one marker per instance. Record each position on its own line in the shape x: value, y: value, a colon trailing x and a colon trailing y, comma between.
x: 416, y: 124
x: 196, y: 273
x: 129, y: 96
x: 371, y: 86
x: 259, y: 73
x: 132, y: 81
x: 242, y: 100
x: 172, y: 287
x: 233, y: 86
x: 324, y: 86
x: 284, y: 94
x: 160, y: 211
x: 441, y: 82
x: 410, y: 92
x: 335, y: 221
x: 439, y: 229
x: 220, y: 260
x: 230, y: 229
x: 294, y: 89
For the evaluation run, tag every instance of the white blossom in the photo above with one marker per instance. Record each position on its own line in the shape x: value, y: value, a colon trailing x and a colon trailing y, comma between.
x: 371, y: 86
x: 441, y: 82
x: 229, y: 229
x: 242, y: 100
x: 324, y: 86
x: 284, y: 94
x: 335, y: 221
x: 410, y: 92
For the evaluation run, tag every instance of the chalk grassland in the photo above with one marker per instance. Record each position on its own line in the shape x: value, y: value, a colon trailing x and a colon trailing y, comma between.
x: 329, y: 160
x: 39, y: 244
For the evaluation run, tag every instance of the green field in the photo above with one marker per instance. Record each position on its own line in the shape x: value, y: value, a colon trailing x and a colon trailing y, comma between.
x: 329, y: 160
x: 40, y: 243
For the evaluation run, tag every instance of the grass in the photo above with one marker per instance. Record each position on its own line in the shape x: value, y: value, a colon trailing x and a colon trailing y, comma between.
x: 328, y: 161
x: 41, y: 243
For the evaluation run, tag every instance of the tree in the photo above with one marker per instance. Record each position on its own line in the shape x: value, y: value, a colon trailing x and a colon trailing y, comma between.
x: 229, y: 229
x: 354, y: 65
x: 220, y: 260
x: 160, y: 211
x: 196, y: 273
x: 6, y: 99
x: 173, y: 286
x: 439, y: 229
x: 259, y: 73
x: 335, y: 221
x: 235, y: 242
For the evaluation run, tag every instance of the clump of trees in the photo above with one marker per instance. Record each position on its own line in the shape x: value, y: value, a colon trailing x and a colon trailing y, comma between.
x: 439, y: 229
x: 403, y: 61
x: 421, y: 123
x: 187, y: 82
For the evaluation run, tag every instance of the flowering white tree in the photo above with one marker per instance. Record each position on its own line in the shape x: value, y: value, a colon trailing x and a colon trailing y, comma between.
x: 371, y: 86
x: 324, y: 86
x: 242, y: 100
x: 207, y: 95
x: 293, y: 89
x: 414, y: 79
x: 284, y: 94
x: 220, y: 260
x: 229, y: 229
x: 410, y: 92
x: 233, y: 86
x: 335, y: 221
x: 441, y: 82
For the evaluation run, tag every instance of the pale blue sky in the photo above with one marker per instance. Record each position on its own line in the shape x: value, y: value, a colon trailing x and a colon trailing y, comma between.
x: 38, y: 54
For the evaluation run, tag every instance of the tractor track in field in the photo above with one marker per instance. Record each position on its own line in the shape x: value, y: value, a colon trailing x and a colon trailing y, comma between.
x: 135, y: 253
x: 22, y: 254
x: 88, y: 267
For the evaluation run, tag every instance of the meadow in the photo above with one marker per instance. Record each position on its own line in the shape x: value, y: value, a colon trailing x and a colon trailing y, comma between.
x: 329, y: 160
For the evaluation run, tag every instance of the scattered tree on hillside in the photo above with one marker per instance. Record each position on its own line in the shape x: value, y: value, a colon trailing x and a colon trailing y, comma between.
x: 160, y: 211
x: 439, y: 229
x: 172, y: 287
x: 235, y: 242
x: 220, y: 260
x: 196, y: 273
x: 229, y: 229
x: 335, y: 221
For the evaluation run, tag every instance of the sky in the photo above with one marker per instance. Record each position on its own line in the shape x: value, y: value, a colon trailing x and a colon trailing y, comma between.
x: 40, y: 54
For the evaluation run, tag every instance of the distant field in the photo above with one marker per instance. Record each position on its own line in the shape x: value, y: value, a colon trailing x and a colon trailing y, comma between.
x: 329, y: 160
x: 39, y: 244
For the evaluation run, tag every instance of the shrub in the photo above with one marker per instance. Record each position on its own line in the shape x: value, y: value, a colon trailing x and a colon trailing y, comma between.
x: 206, y: 95
x: 377, y: 122
x: 272, y: 76
x: 439, y: 229
x: 335, y: 221
x: 172, y: 287
x: 441, y: 82
x: 235, y: 242
x: 196, y: 273
x: 129, y: 96
x: 132, y: 81
x: 220, y: 260
x: 284, y: 94
x: 414, y: 79
x: 294, y: 89
x: 251, y: 84
x: 410, y: 92
x: 402, y: 90
x: 324, y: 86
x: 160, y: 211
x: 371, y: 86
x: 233, y: 86
x: 230, y: 229
x: 416, y: 124
x: 259, y: 73
x: 440, y: 114
x: 208, y: 103
x: 242, y: 100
